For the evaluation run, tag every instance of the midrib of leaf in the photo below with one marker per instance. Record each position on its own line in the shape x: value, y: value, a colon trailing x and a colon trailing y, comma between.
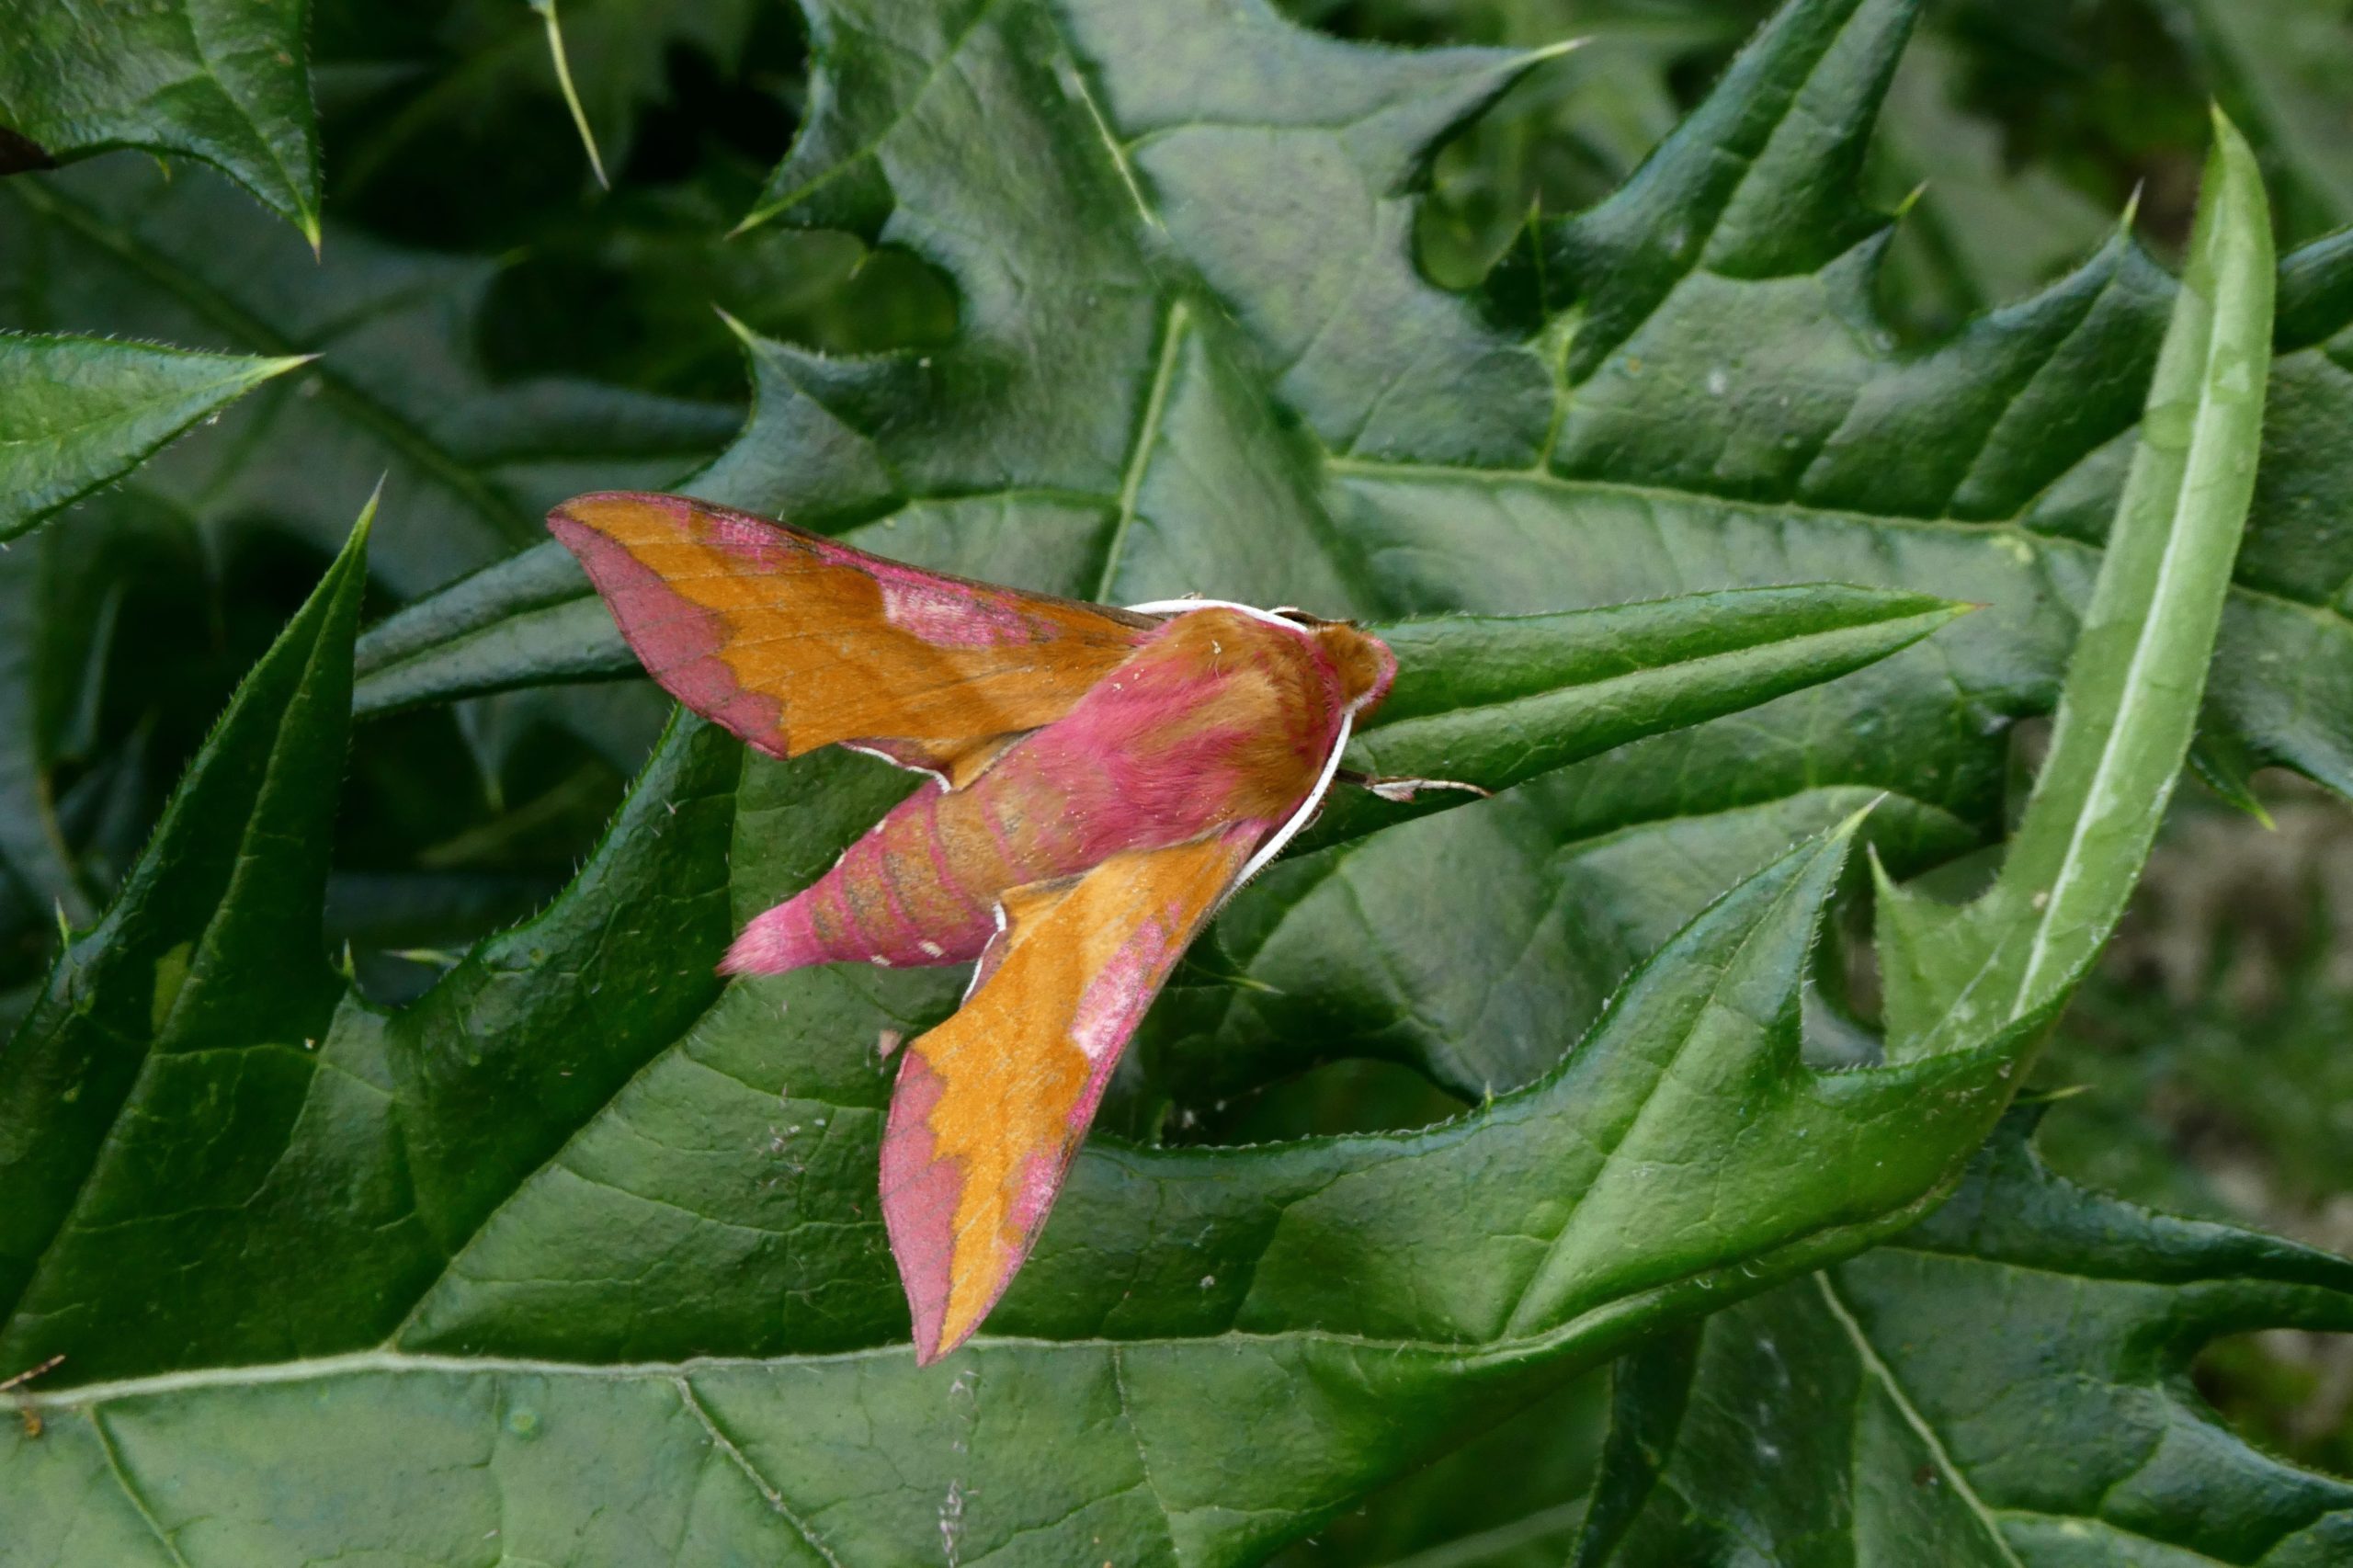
x: 382, y: 1359
x: 767, y: 1489
x: 1111, y: 144
x: 2328, y: 612
x: 1172, y: 345
x: 130, y: 1491
x: 570, y: 93
x: 2076, y: 1271
x: 2190, y: 517
x: 236, y: 321
x: 464, y: 83
x: 1868, y: 1354
x: 1730, y: 971
x: 1559, y: 340
x: 263, y: 1374
x: 2174, y: 1552
x: 2210, y: 455
x: 1177, y: 327
x: 1143, y: 1450
x: 256, y: 822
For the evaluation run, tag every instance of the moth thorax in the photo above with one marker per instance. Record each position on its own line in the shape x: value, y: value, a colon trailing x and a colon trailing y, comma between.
x: 1366, y: 665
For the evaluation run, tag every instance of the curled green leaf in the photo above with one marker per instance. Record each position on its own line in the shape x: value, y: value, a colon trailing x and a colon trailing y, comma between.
x: 2139, y: 670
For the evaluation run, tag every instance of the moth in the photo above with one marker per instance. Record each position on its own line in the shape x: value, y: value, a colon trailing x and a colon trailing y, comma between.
x: 1097, y: 782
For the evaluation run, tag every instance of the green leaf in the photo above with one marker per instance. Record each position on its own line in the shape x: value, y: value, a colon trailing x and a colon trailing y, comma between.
x: 2006, y: 1384
x: 397, y: 391
x: 76, y: 411
x: 1566, y: 135
x: 524, y: 621
x: 221, y: 80
x: 1497, y: 700
x: 577, y: 1257
x: 1687, y: 389
x: 405, y: 387
x: 1511, y: 1498
x: 2125, y: 721
x: 184, y: 982
x: 1486, y: 700
x: 451, y: 1200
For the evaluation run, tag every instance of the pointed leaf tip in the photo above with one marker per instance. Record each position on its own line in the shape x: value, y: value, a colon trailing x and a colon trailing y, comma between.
x: 1544, y: 52
x: 744, y: 332
x: 365, y: 521
x: 77, y: 412
x: 546, y: 9
x: 1853, y: 822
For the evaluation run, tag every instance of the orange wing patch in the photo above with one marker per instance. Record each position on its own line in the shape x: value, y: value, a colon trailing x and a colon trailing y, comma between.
x: 794, y: 641
x: 991, y: 1105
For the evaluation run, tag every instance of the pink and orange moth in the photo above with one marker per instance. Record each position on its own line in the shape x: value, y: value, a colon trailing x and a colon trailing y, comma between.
x: 1098, y: 781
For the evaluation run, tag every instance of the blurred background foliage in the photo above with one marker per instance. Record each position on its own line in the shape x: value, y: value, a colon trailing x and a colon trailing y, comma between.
x: 508, y: 332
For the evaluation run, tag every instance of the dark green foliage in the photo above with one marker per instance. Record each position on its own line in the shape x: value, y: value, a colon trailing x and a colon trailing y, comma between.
x: 221, y: 80
x: 397, y: 1180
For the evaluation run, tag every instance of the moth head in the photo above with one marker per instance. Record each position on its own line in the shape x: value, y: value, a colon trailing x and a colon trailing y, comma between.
x: 1368, y: 669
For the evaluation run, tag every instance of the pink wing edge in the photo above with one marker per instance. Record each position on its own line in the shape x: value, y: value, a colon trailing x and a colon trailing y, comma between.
x: 920, y: 1189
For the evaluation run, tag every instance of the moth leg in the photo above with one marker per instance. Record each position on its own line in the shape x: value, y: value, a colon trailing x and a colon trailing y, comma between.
x: 1403, y: 790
